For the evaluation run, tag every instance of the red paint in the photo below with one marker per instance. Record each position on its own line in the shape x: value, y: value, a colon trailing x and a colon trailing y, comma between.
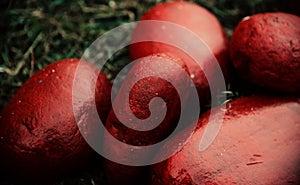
x: 198, y: 20
x: 39, y: 135
x: 265, y: 50
x: 258, y: 144
x: 140, y: 95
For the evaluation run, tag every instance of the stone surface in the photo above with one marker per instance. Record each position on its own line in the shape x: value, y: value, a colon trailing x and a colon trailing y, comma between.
x: 265, y: 51
x: 258, y: 143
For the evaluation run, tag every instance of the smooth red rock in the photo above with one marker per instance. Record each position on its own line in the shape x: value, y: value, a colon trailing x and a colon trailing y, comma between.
x: 258, y: 143
x: 39, y: 137
x: 199, y: 21
x: 140, y: 95
x: 265, y: 50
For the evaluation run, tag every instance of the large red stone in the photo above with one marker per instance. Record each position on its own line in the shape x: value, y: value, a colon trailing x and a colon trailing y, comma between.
x: 197, y: 20
x: 265, y: 50
x: 140, y: 96
x: 39, y: 136
x: 258, y: 143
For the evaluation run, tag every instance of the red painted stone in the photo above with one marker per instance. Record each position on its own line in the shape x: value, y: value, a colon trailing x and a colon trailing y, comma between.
x: 265, y: 50
x: 140, y: 95
x: 39, y: 137
x: 197, y: 20
x: 258, y: 144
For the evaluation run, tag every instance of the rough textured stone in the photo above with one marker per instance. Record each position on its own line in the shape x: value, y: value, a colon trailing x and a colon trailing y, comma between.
x: 258, y: 143
x: 197, y: 20
x: 265, y: 50
x: 39, y: 137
